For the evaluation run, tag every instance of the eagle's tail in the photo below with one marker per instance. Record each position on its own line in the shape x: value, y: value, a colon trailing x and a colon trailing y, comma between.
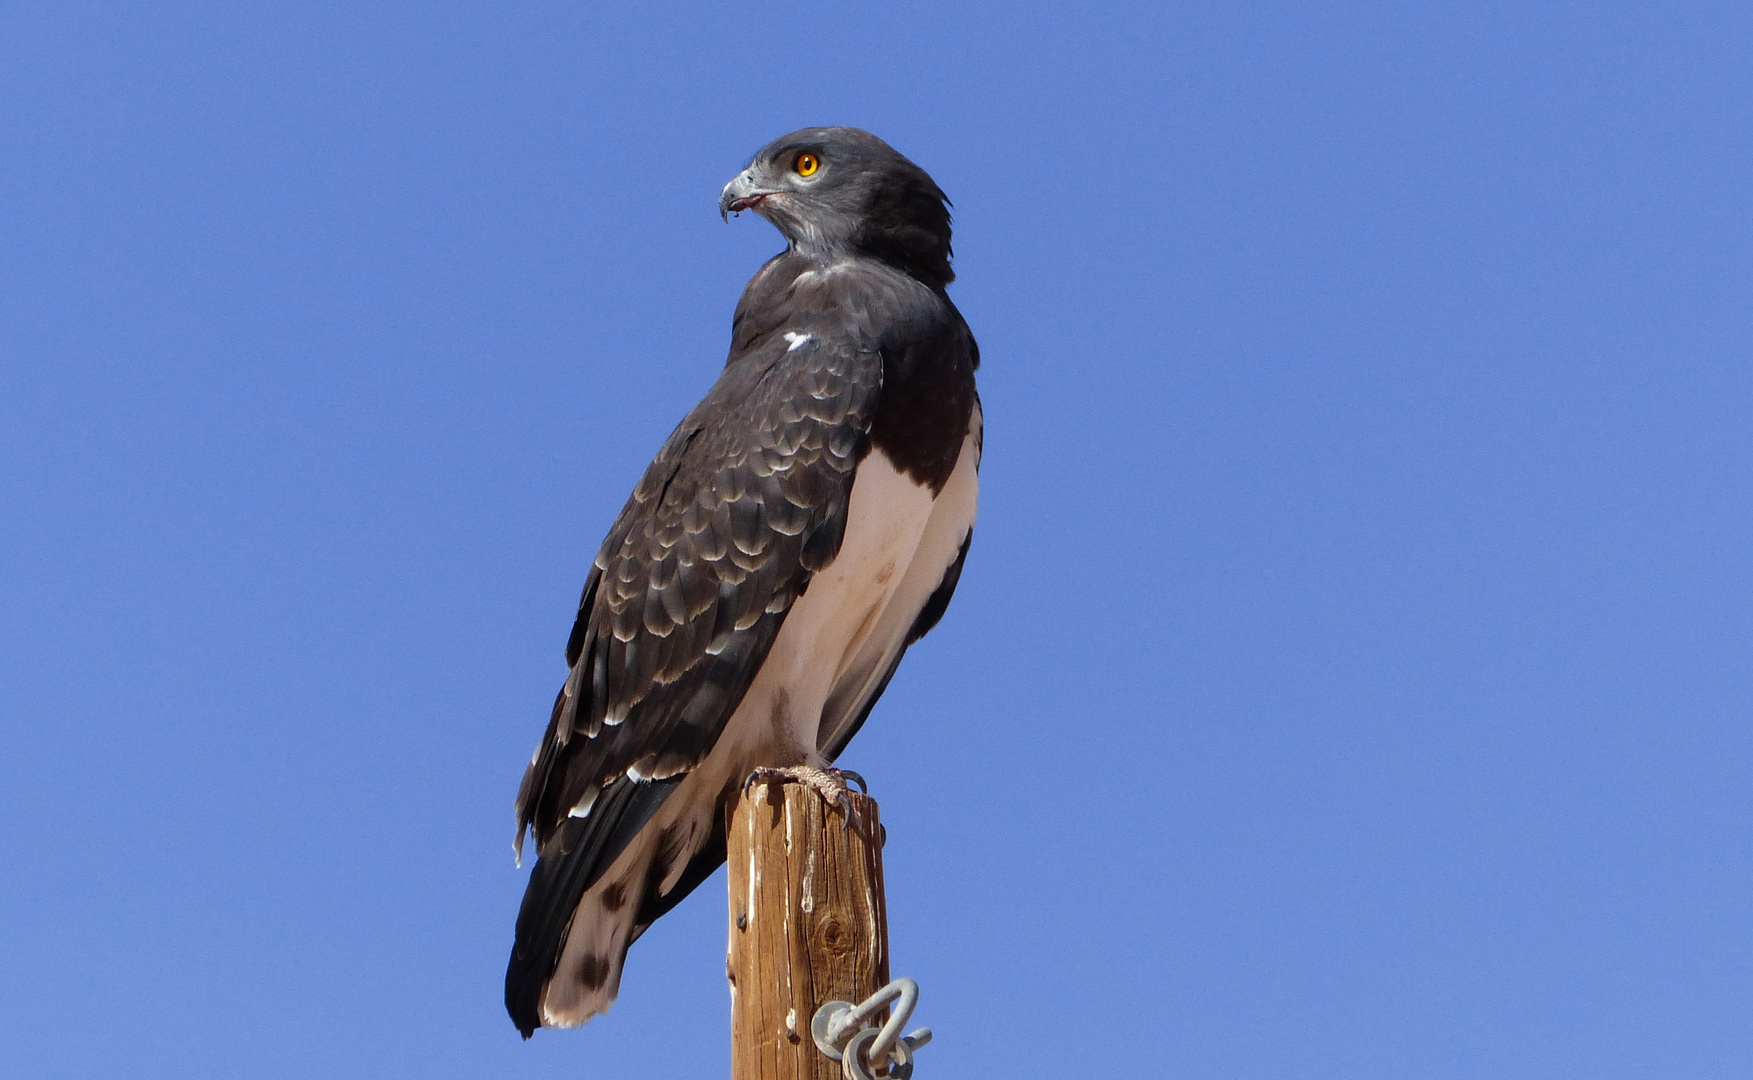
x: 598, y: 883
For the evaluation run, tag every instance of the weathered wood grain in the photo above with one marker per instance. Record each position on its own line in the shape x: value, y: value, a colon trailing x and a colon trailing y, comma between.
x: 807, y: 925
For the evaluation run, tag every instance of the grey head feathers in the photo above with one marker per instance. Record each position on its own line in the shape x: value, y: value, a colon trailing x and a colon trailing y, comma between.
x: 838, y: 191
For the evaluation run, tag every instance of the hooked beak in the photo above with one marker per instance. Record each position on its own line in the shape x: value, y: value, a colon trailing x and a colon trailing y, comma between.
x: 739, y: 195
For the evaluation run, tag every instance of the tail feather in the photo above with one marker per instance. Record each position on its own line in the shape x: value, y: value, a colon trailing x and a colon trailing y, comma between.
x: 587, y: 979
x: 572, y: 862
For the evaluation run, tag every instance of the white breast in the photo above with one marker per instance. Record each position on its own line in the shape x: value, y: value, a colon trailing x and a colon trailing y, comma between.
x: 842, y: 633
x: 837, y: 615
x: 862, y: 669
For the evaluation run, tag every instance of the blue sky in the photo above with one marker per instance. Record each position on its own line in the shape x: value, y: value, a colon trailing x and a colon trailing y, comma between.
x: 1351, y: 673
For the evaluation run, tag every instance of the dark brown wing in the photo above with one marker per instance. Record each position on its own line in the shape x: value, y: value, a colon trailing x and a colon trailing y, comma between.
x: 746, y: 500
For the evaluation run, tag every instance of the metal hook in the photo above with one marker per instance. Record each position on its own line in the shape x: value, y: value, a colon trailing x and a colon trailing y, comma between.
x: 838, y: 1028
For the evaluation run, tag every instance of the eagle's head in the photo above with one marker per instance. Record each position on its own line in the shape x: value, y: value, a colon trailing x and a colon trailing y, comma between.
x: 839, y: 191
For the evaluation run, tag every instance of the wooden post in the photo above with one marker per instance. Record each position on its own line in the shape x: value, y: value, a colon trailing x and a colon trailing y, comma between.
x: 807, y: 925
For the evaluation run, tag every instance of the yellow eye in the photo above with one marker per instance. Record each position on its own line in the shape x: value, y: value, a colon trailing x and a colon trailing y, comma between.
x: 807, y: 164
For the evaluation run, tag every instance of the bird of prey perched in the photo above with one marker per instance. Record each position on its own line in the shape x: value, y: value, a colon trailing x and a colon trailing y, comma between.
x: 799, y: 529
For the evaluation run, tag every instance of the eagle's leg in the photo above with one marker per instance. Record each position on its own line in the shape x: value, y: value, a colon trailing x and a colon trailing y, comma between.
x: 830, y: 784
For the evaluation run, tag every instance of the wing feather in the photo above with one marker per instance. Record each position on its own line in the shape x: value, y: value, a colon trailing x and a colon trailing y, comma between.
x: 744, y: 502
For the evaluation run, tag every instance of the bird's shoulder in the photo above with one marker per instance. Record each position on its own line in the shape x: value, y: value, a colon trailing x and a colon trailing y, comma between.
x: 854, y: 302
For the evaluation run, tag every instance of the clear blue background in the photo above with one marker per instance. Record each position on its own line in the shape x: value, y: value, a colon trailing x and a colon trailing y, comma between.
x: 1351, y: 674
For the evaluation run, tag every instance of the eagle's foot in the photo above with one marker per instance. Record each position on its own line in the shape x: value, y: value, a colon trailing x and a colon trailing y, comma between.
x: 830, y: 784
